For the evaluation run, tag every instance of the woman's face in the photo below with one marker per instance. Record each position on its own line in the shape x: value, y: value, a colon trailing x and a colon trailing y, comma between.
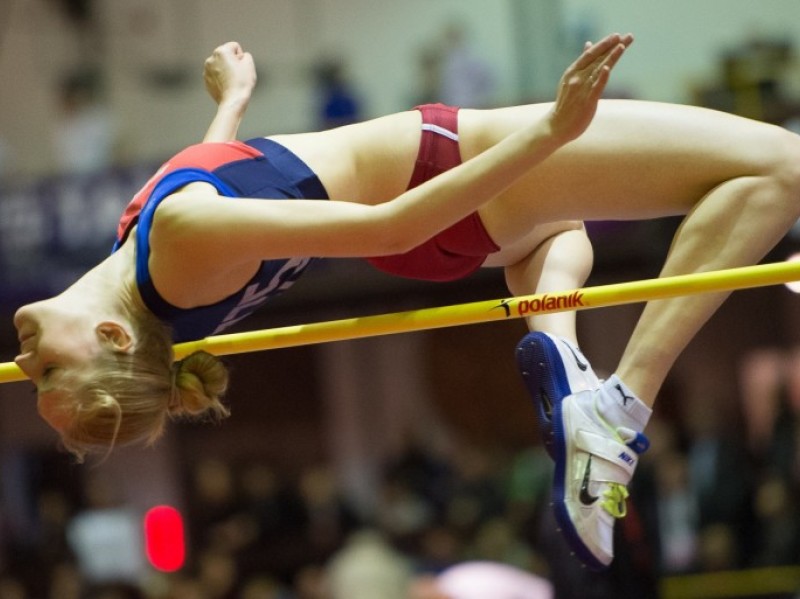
x: 54, y: 342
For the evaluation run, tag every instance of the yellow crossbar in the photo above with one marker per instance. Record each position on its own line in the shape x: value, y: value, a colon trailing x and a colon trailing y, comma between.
x: 482, y: 311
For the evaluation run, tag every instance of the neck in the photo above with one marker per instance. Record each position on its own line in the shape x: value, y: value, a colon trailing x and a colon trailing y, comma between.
x: 107, y: 287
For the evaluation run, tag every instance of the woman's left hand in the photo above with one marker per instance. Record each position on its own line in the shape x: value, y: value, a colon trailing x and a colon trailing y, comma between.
x: 583, y: 83
x: 230, y: 74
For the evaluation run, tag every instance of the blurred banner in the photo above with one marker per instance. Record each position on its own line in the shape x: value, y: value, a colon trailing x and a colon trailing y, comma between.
x: 54, y: 230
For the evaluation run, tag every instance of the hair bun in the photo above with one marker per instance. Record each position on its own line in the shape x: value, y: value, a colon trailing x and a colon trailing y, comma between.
x: 200, y: 382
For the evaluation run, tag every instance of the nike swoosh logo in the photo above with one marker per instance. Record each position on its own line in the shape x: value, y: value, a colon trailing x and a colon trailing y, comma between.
x: 581, y: 364
x: 586, y: 497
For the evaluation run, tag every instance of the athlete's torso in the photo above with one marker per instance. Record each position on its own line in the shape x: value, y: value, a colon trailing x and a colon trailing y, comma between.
x: 259, y: 168
x: 368, y: 162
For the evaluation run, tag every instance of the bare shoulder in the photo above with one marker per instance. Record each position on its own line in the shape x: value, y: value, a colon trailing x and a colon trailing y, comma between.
x: 368, y: 162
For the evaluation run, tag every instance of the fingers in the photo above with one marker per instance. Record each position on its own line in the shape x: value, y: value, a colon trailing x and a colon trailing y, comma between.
x: 609, y: 60
x: 595, y: 63
x: 596, y: 52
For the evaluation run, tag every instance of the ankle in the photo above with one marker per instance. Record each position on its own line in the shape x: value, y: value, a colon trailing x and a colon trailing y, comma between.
x: 644, y: 381
x: 620, y: 406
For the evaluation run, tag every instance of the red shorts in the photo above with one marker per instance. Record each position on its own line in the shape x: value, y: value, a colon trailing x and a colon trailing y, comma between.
x: 461, y: 249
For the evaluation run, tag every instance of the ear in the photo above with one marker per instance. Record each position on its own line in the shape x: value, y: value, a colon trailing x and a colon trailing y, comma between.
x: 115, y: 336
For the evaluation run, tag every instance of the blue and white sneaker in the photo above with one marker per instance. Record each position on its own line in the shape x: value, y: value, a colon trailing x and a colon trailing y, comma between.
x: 594, y: 463
x: 552, y: 368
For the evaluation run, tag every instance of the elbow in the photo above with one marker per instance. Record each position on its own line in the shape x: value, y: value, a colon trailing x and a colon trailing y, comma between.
x: 395, y: 241
x: 395, y: 231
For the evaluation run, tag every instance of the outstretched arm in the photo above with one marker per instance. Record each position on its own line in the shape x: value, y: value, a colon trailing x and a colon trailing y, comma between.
x: 279, y: 229
x: 229, y: 75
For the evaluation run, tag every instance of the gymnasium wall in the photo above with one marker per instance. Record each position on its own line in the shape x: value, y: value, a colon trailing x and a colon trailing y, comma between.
x: 152, y: 53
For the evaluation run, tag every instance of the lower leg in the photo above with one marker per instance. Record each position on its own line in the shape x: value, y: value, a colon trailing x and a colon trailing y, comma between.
x: 734, y: 225
x: 561, y: 262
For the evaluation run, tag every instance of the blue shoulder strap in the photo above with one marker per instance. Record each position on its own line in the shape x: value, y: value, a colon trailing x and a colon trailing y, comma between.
x: 168, y: 185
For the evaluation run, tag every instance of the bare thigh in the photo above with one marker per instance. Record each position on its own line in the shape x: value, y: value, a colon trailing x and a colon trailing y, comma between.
x: 637, y: 160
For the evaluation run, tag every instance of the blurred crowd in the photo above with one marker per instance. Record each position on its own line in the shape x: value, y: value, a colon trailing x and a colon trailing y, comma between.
x: 703, y: 500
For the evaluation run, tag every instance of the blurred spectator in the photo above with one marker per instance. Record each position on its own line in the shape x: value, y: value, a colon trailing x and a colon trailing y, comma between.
x: 55, y: 513
x: 12, y: 588
x: 718, y: 548
x: 677, y: 514
x: 217, y: 573
x: 6, y: 165
x: 262, y: 587
x: 428, y: 88
x: 439, y: 547
x: 106, y: 537
x: 760, y: 376
x: 85, y: 138
x: 427, y: 471
x: 214, y: 502
x: 269, y: 515
x: 263, y: 500
x: 326, y: 518
x: 184, y: 587
x: 368, y: 567
x: 478, y: 494
x: 338, y: 101
x: 528, y: 487
x: 311, y: 582
x: 778, y: 524
x: 115, y: 591
x: 482, y: 580
x: 496, y: 541
x: 466, y: 78
x: 719, y: 472
x: 65, y: 582
x: 401, y: 512
x: 755, y: 80
x: 780, y: 455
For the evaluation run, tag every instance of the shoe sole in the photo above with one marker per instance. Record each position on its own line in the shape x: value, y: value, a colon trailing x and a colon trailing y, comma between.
x: 545, y: 378
x: 567, y: 528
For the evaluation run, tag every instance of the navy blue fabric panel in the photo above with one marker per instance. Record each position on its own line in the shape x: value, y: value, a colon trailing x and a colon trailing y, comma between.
x: 279, y: 175
x: 296, y: 174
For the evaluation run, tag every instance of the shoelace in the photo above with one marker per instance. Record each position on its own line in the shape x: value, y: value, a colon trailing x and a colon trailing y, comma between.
x: 614, y: 500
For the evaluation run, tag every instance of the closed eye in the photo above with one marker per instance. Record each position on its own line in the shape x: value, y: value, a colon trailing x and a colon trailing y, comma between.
x: 47, y: 373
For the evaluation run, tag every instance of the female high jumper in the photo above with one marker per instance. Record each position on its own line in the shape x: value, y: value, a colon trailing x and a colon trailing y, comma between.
x: 431, y: 193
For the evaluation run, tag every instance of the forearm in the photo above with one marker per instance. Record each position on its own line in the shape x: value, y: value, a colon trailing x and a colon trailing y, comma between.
x: 225, y: 125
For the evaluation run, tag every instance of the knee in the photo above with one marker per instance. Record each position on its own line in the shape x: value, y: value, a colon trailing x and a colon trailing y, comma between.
x: 570, y: 252
x: 786, y: 163
x: 562, y: 260
x: 580, y: 252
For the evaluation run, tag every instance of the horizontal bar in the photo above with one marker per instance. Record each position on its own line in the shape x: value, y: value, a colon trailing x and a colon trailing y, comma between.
x: 481, y: 311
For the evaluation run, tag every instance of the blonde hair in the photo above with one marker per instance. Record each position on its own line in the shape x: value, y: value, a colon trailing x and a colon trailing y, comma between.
x: 128, y: 398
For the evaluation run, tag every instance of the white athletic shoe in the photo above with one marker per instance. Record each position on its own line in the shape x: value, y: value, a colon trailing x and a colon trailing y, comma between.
x: 552, y: 368
x: 594, y: 464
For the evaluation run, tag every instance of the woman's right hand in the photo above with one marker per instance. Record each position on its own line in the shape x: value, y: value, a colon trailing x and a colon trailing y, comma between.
x: 230, y: 75
x: 583, y: 83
